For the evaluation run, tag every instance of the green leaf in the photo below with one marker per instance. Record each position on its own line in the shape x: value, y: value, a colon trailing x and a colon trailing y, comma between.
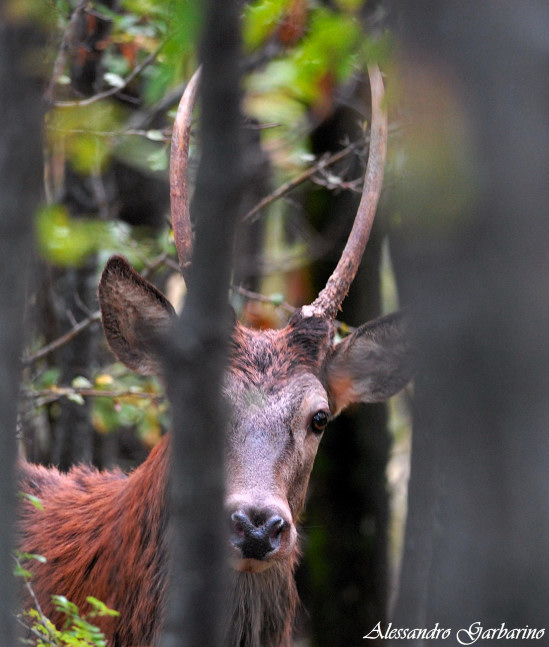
x: 350, y: 5
x: 81, y: 382
x: 69, y: 241
x: 29, y: 556
x: 100, y: 607
x: 328, y: 50
x: 260, y: 20
x: 84, y: 133
x: 19, y: 571
x: 36, y: 502
x: 183, y: 22
x: 277, y: 298
x: 114, y: 80
x: 158, y: 161
x: 155, y: 135
x: 48, y: 378
x: 76, y: 398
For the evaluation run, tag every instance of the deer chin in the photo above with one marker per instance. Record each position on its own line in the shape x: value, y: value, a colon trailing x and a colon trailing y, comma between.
x: 249, y: 565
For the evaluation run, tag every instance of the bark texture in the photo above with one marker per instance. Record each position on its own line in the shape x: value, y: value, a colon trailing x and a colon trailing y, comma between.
x: 474, y: 264
x: 20, y: 182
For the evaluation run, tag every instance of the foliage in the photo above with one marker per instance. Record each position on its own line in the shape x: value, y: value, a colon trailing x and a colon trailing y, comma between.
x: 150, y: 47
x: 77, y: 631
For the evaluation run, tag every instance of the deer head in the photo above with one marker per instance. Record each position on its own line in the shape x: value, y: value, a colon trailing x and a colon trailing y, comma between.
x: 282, y: 386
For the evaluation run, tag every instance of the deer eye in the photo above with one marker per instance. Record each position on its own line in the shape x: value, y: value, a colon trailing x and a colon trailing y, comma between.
x: 319, y: 421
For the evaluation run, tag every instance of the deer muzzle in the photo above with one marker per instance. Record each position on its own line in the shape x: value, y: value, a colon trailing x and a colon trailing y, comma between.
x: 260, y: 535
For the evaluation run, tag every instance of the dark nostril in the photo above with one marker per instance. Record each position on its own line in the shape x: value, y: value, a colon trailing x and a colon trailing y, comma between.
x: 257, y: 533
x: 239, y: 522
x: 274, y: 529
x: 275, y: 526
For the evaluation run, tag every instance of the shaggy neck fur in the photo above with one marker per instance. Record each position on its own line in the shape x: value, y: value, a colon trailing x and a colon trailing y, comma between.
x: 262, y: 608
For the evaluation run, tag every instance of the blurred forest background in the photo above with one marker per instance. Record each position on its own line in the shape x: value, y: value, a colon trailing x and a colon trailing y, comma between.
x: 464, y: 209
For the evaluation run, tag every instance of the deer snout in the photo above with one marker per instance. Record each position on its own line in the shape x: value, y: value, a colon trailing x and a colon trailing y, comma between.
x: 259, y: 535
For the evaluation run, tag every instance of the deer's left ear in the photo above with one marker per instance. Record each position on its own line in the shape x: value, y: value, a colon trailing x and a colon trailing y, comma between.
x: 371, y: 364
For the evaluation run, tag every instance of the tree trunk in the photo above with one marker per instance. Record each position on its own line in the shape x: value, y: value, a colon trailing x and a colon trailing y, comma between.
x: 72, y: 290
x: 473, y: 263
x: 196, y: 357
x: 20, y: 185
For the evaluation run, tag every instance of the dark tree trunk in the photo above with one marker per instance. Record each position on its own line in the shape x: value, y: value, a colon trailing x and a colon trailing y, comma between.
x: 196, y: 358
x: 247, y: 260
x: 75, y: 296
x: 20, y: 186
x: 72, y: 290
x: 474, y: 264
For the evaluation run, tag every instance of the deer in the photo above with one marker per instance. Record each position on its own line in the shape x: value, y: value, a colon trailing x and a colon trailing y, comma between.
x: 103, y: 533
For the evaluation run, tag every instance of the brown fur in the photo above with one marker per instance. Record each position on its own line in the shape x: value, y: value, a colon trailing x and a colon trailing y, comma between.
x: 102, y: 534
x: 263, y: 606
x: 268, y: 357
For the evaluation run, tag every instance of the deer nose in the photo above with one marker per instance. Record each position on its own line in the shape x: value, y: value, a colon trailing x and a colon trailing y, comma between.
x: 256, y: 533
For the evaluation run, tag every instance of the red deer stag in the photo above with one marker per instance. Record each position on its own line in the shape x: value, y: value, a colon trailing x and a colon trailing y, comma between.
x: 103, y: 533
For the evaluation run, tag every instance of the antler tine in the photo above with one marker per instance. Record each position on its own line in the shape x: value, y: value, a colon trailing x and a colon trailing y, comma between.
x: 331, y: 297
x: 179, y: 191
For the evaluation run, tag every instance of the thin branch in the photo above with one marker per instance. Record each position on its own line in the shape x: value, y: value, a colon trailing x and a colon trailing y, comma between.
x: 337, y: 184
x: 302, y: 177
x: 322, y: 164
x: 57, y: 393
x: 115, y: 90
x: 343, y: 328
x: 256, y: 296
x: 128, y: 132
x: 61, y: 341
x: 66, y: 44
x: 151, y: 266
x: 46, y: 624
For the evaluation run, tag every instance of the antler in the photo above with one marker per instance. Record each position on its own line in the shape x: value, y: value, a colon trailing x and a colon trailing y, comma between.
x: 179, y: 191
x: 331, y: 297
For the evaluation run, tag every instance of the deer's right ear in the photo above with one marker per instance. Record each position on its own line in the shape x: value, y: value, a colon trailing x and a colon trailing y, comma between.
x: 134, y: 313
x: 370, y: 365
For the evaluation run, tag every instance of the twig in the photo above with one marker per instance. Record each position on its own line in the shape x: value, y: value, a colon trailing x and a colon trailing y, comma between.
x: 336, y: 184
x: 302, y: 177
x: 342, y: 327
x: 151, y: 266
x: 60, y: 341
x: 43, y: 618
x: 115, y: 90
x: 128, y: 132
x: 256, y: 296
x: 66, y: 43
x: 56, y: 393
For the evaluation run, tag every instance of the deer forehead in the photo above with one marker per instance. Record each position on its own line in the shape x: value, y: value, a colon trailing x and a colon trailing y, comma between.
x: 274, y: 374
x: 268, y: 358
